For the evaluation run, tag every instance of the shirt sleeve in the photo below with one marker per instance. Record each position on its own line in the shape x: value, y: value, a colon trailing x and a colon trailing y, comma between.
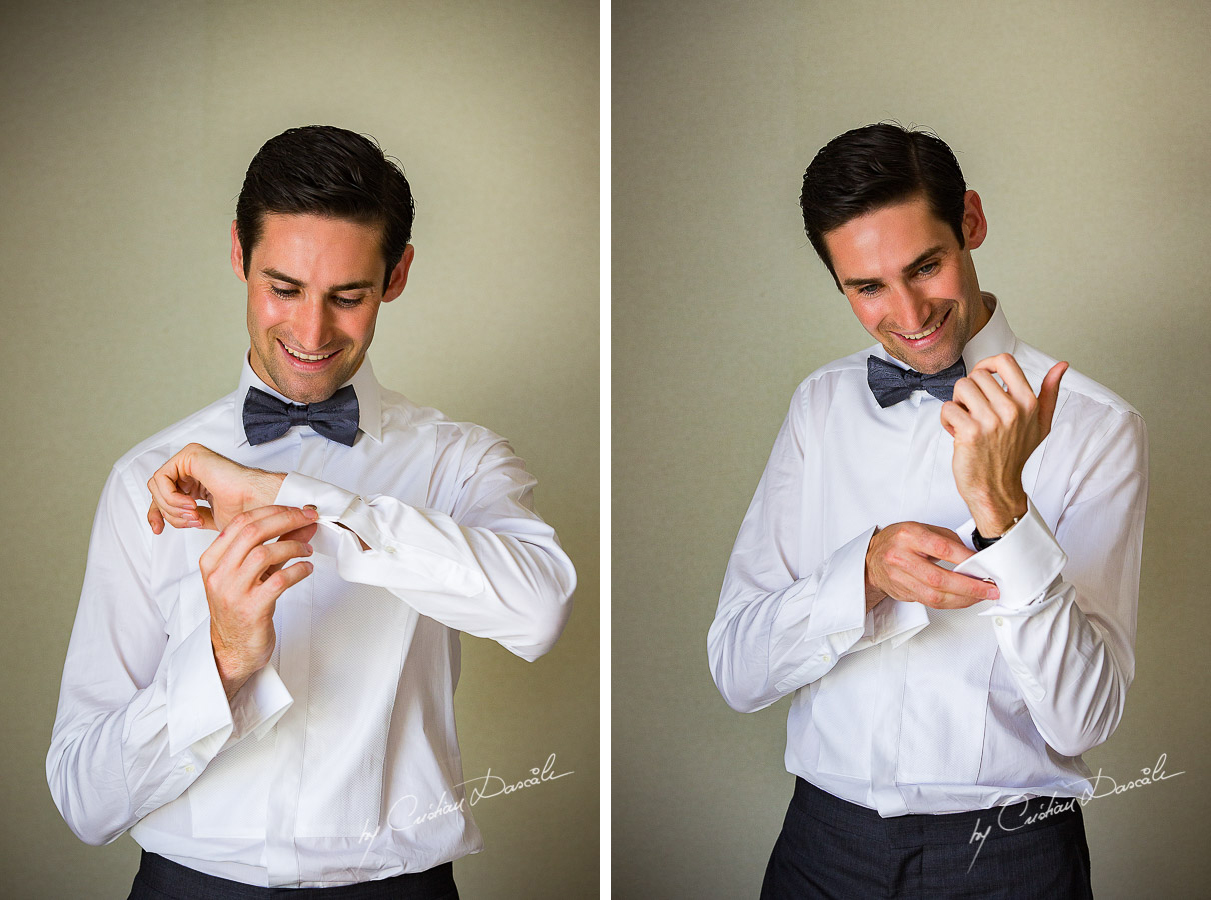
x: 777, y: 629
x: 1066, y: 618
x: 141, y: 712
x: 490, y: 566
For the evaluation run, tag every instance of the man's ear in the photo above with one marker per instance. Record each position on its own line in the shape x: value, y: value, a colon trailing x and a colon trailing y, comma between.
x: 399, y: 275
x: 975, y: 226
x: 237, y: 253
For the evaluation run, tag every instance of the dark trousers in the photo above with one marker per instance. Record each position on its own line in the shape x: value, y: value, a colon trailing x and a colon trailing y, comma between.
x: 162, y: 879
x: 830, y: 848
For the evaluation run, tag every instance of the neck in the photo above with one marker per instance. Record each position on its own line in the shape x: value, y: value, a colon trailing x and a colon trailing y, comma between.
x: 987, y: 305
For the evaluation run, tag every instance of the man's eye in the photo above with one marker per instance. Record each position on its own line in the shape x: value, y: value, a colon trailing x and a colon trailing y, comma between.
x: 868, y: 290
x: 348, y: 302
x: 283, y: 292
x: 928, y: 269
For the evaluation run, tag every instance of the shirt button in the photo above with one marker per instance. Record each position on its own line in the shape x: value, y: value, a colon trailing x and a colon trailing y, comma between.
x: 826, y: 658
x: 390, y: 549
x: 999, y: 620
x: 189, y: 769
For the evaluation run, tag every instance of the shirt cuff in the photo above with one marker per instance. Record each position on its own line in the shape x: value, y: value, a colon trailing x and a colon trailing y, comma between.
x: 1023, y: 564
x: 259, y: 704
x: 198, y: 713
x: 889, y: 620
x: 896, y: 621
x: 392, y: 560
x: 835, y: 609
x: 330, y: 501
x: 838, y: 612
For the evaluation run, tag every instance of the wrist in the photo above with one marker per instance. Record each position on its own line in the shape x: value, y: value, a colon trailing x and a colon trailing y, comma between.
x: 231, y: 676
x: 232, y: 669
x: 994, y: 518
x: 874, y: 594
x: 262, y: 488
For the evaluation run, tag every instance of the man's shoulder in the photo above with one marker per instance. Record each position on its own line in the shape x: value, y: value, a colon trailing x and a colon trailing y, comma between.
x: 1077, y: 389
x: 822, y: 385
x: 210, y: 426
x: 403, y: 417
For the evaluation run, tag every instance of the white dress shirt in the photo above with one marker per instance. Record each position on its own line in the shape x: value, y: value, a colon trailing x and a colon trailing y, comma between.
x: 316, y: 772
x: 907, y: 709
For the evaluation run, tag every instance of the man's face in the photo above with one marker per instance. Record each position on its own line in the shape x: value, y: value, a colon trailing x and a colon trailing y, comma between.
x: 908, y: 281
x: 314, y: 290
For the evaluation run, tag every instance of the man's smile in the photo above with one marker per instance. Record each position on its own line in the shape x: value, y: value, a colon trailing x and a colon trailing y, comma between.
x: 923, y: 338
x: 307, y: 361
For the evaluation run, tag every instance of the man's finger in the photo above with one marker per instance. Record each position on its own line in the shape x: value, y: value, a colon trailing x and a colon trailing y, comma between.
x: 155, y: 519
x: 304, y: 534
x: 238, y: 526
x: 206, y: 514
x: 1011, y: 373
x: 282, y: 520
x: 955, y: 419
x: 180, y: 510
x: 972, y: 400
x: 998, y: 399
x: 173, y: 516
x: 269, y: 558
x: 165, y: 483
x: 1049, y: 394
x: 943, y: 589
x: 959, y: 600
x: 277, y: 583
x: 942, y: 543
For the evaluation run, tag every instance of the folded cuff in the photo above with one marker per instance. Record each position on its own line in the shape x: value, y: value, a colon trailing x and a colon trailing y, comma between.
x: 196, y: 702
x: 1023, y: 564
x: 260, y: 703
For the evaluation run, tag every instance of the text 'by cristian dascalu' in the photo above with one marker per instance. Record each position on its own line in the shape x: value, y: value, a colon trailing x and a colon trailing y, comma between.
x: 1101, y: 785
x: 406, y: 812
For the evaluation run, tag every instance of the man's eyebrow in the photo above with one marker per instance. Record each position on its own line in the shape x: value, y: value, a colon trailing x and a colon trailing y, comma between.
x: 280, y: 276
x: 335, y: 289
x: 858, y: 282
x: 932, y: 251
x: 351, y: 286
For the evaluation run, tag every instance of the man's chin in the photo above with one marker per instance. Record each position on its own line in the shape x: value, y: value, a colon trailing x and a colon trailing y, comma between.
x: 301, y: 389
x: 925, y: 363
x: 311, y: 394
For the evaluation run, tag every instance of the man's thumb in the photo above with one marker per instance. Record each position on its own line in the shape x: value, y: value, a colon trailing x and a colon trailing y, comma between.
x: 1048, y: 395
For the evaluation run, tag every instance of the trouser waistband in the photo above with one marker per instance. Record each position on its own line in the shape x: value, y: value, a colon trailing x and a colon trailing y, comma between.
x: 917, y: 828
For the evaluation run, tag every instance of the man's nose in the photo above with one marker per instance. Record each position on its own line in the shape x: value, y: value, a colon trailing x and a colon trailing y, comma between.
x: 311, y: 324
x: 912, y: 308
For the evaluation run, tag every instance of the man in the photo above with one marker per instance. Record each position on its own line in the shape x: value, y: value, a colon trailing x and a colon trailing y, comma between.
x: 258, y: 722
x: 928, y: 704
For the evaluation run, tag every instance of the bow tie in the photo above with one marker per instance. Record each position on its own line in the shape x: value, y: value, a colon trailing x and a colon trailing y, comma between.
x: 890, y: 384
x: 267, y: 418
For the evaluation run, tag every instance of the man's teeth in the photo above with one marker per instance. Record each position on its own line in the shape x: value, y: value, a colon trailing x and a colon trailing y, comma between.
x: 305, y: 356
x: 917, y: 337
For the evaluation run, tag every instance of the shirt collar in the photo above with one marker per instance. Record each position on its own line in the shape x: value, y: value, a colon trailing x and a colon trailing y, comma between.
x: 995, y: 337
x: 369, y: 402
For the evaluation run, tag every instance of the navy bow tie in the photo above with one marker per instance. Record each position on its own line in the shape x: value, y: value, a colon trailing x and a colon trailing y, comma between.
x: 890, y: 384
x: 267, y: 418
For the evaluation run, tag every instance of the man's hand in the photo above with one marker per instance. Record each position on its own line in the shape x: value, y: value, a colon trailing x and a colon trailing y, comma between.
x: 900, y: 564
x: 244, y: 576
x: 198, y: 473
x: 995, y: 430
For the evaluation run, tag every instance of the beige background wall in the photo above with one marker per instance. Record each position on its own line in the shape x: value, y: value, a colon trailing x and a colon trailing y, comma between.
x: 127, y: 129
x: 1085, y: 128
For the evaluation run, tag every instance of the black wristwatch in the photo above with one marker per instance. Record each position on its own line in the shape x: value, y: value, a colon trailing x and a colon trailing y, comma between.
x: 980, y: 542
